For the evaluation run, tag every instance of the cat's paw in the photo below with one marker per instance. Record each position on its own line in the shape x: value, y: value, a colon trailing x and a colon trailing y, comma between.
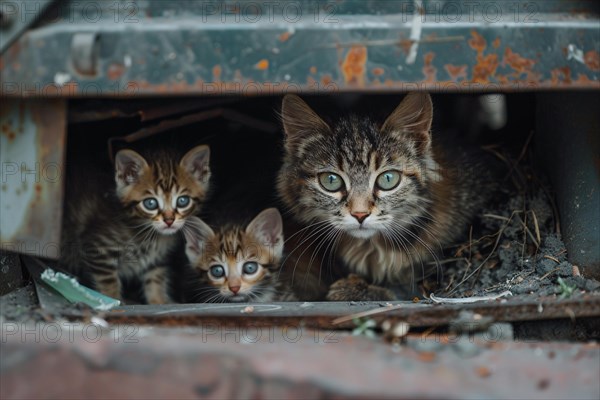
x: 355, y: 288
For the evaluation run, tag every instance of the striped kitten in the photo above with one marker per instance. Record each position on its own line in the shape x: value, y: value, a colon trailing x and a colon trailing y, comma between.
x: 384, y: 196
x: 238, y: 264
x: 130, y: 231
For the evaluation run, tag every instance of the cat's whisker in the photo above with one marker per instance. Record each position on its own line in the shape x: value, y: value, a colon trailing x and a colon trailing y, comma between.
x: 305, y: 228
x: 316, y: 235
x: 398, y: 238
x: 326, y: 240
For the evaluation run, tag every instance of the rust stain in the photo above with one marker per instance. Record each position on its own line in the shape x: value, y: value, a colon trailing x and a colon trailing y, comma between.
x: 405, y: 45
x: 326, y: 79
x: 477, y: 42
x: 429, y: 70
x: 584, y: 80
x: 378, y: 71
x: 313, y: 70
x: 426, y: 356
x: 592, y: 60
x: 284, y: 36
x: 456, y: 71
x: 216, y: 71
x: 564, y: 72
x: 262, y: 64
x: 115, y: 71
x: 353, y: 67
x: 496, y: 43
x: 517, y: 62
x: 483, y: 372
x: 485, y: 68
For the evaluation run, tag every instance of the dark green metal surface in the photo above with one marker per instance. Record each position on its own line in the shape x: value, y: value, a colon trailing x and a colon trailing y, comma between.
x: 244, y: 47
x: 569, y: 147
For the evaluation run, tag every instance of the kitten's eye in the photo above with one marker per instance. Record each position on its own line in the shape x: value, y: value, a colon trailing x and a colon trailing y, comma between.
x: 217, y: 271
x: 331, y: 182
x: 388, y: 180
x: 250, y: 268
x: 150, y: 203
x: 183, y: 201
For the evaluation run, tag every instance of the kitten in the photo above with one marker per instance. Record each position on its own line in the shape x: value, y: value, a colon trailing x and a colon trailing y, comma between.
x: 385, y: 197
x: 130, y: 230
x: 237, y: 263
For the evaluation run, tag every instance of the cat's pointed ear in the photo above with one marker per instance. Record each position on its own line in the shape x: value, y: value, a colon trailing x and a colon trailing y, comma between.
x: 129, y: 167
x: 196, y: 162
x: 299, y: 120
x: 267, y: 227
x: 412, y: 119
x: 196, y: 233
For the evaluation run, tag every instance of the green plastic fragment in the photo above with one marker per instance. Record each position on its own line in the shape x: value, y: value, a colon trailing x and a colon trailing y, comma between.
x: 77, y: 293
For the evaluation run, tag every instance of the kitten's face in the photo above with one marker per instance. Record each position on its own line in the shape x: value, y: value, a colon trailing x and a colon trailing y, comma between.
x: 162, y: 192
x: 237, y: 264
x: 355, y: 176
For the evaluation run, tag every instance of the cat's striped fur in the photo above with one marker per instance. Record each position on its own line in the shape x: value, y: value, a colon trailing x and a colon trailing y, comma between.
x: 385, y: 235
x: 230, y: 249
x: 128, y: 231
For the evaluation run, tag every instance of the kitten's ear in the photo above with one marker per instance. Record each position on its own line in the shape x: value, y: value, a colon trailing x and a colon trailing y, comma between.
x: 196, y: 162
x: 299, y: 120
x: 196, y: 233
x: 129, y: 167
x: 412, y: 119
x: 267, y: 227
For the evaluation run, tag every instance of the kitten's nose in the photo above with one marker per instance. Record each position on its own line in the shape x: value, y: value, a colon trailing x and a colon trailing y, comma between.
x: 234, y: 289
x: 360, y: 216
x: 169, y: 221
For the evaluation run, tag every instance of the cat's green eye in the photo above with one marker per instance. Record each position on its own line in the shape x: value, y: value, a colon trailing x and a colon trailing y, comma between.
x: 217, y: 271
x: 331, y: 182
x: 150, y: 203
x: 388, y: 180
x: 183, y: 201
x: 250, y: 268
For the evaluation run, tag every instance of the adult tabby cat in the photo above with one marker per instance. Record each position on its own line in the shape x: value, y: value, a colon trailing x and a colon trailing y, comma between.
x: 129, y: 231
x: 385, y: 197
x: 238, y: 262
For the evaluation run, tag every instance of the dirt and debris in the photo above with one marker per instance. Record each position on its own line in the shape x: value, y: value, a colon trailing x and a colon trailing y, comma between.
x: 515, y: 245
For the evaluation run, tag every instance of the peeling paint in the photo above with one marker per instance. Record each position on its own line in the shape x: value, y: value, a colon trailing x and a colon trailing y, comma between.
x: 477, y: 42
x: 353, y: 67
x: 592, y: 60
x: 456, y: 71
x: 518, y: 63
x: 485, y: 68
x: 115, y: 71
x: 377, y: 71
x: 429, y: 71
x: 216, y: 72
x: 262, y: 64
x: 284, y: 36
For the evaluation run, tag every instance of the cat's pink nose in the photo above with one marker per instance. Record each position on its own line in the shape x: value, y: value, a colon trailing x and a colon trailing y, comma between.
x: 360, y: 216
x: 234, y: 289
x: 169, y: 221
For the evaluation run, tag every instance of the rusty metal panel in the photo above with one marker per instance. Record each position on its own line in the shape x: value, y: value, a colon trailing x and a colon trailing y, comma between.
x: 32, y: 151
x: 86, y: 360
x: 251, y: 48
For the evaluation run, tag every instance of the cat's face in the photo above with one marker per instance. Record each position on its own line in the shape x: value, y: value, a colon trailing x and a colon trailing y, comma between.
x: 237, y: 264
x: 162, y: 192
x: 356, y: 176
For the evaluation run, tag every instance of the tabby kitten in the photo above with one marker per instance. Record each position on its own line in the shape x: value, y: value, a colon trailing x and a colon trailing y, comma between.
x: 237, y: 263
x: 385, y: 197
x: 130, y: 231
